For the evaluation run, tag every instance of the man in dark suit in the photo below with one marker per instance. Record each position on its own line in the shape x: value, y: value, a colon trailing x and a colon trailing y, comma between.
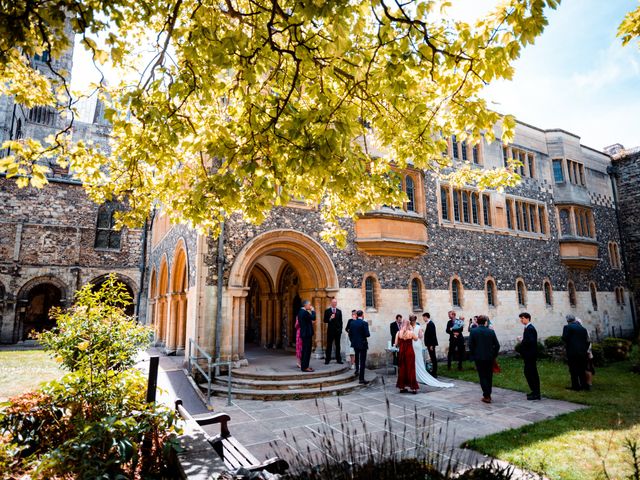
x: 576, y: 341
x: 394, y: 328
x: 333, y: 319
x: 306, y: 317
x: 359, y: 332
x: 529, y: 353
x: 455, y: 329
x: 484, y: 348
x: 431, y: 342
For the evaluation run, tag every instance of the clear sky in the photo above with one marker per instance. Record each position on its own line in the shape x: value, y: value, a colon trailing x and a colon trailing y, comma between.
x: 577, y: 76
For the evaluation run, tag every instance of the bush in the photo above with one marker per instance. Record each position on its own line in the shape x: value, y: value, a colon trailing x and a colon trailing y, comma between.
x: 94, y: 422
x: 553, y: 341
x: 616, y: 349
x: 598, y: 354
x: 542, y: 351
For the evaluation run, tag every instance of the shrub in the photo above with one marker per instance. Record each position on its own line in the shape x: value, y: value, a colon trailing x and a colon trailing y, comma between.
x: 542, y: 351
x: 553, y: 341
x: 94, y: 422
x: 598, y: 354
x: 616, y: 349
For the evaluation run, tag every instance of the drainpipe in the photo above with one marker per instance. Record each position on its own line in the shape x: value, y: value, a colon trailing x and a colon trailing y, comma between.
x: 143, y: 261
x: 613, y: 172
x: 220, y: 271
x: 13, y: 117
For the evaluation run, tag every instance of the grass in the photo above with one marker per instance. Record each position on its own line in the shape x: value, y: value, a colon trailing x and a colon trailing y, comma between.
x: 575, y: 446
x: 24, y: 370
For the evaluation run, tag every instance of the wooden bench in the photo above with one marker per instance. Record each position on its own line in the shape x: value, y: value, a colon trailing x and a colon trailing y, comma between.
x: 203, y: 455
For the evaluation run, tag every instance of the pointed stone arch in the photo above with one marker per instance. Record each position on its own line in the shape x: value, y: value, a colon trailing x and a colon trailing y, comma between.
x: 179, y: 278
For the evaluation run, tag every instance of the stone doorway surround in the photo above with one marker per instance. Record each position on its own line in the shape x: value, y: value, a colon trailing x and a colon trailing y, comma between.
x: 317, y: 282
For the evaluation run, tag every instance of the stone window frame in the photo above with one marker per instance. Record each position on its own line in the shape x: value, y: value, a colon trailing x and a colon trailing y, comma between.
x: 593, y: 291
x: 521, y: 296
x: 614, y: 255
x: 110, y: 209
x: 455, y: 197
x: 548, y: 302
x: 376, y: 292
x: 581, y: 221
x: 463, y: 151
x: 526, y: 157
x: 573, y: 294
x: 416, y: 277
x: 494, y: 291
x: 460, y: 292
x: 520, y: 210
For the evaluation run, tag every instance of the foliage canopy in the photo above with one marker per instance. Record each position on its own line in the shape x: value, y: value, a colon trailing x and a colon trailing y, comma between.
x: 247, y: 104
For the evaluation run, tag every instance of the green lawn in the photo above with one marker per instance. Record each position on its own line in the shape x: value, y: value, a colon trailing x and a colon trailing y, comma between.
x: 574, y: 446
x: 24, y: 370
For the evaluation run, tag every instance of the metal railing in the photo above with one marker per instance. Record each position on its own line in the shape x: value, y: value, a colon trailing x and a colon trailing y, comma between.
x: 194, y: 361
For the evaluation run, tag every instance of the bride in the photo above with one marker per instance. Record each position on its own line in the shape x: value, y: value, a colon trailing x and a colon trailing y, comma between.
x: 421, y: 372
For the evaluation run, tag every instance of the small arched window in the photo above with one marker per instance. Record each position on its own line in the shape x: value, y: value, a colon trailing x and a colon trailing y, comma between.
x: 106, y: 234
x: 491, y: 293
x: 522, y: 293
x: 614, y: 255
x: 410, y: 191
x: 456, y: 293
x: 594, y: 296
x: 416, y: 300
x: 620, y: 296
x: 572, y: 293
x: 369, y: 292
x: 548, y: 300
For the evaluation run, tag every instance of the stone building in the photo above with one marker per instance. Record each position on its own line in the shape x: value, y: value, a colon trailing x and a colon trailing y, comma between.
x: 549, y: 246
x: 54, y: 240
x: 626, y: 172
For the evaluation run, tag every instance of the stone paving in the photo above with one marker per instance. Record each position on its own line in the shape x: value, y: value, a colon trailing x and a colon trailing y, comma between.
x: 288, y: 428
x: 455, y: 415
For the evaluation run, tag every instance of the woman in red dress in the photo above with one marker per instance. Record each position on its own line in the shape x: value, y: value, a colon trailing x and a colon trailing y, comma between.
x: 298, y: 343
x: 406, y: 358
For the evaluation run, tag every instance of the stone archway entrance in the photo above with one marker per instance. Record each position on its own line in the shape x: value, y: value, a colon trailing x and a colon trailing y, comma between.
x: 35, y: 300
x: 270, y: 277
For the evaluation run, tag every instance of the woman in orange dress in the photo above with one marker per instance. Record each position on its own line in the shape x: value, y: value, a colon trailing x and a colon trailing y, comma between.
x: 406, y: 358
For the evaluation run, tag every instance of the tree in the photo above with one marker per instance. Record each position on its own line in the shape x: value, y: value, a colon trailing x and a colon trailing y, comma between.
x: 247, y: 104
x: 630, y: 26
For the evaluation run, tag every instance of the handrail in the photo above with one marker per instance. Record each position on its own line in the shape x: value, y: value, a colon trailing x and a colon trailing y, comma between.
x: 203, y: 355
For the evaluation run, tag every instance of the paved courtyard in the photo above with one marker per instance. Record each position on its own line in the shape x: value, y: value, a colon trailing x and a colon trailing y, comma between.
x: 368, y: 417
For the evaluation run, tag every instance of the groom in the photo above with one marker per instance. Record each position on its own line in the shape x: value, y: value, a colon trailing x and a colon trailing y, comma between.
x: 359, y: 332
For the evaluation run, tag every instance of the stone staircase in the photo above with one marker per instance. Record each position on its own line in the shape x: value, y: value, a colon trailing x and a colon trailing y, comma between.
x: 268, y: 382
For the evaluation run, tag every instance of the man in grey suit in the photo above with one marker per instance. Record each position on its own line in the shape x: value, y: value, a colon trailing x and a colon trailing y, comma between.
x: 484, y: 348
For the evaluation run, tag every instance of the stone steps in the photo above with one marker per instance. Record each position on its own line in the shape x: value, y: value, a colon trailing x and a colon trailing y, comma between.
x: 292, y: 384
x: 298, y: 392
x: 325, y: 371
x: 279, y: 380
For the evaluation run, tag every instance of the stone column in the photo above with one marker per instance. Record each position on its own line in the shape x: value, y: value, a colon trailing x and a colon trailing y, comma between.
x: 233, y: 335
x: 172, y: 324
x: 277, y: 334
x: 320, y: 330
x: 264, y: 319
x: 181, y: 323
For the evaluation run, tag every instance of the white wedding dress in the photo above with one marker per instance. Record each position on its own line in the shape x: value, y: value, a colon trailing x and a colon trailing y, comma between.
x: 421, y: 371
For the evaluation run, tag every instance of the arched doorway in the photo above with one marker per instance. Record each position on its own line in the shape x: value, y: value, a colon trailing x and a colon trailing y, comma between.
x: 177, y: 330
x: 270, y: 277
x: 35, y: 301
x: 129, y: 307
